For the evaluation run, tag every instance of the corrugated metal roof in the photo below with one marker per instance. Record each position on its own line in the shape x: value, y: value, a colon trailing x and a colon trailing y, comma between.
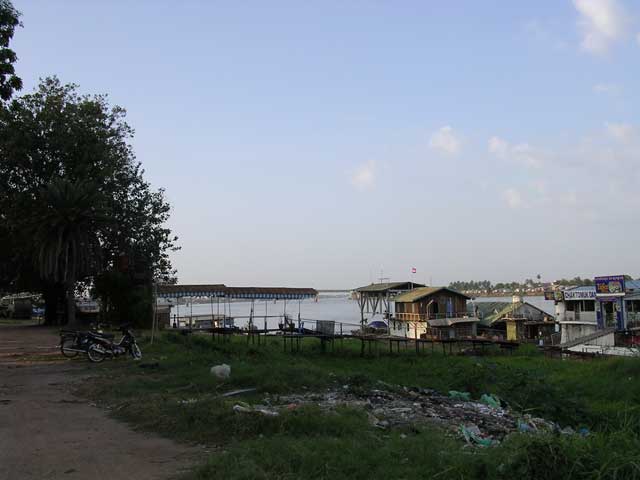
x: 383, y: 287
x: 177, y: 291
x: 491, y: 312
x: 278, y: 293
x: 264, y: 293
x: 447, y: 322
x: 584, y: 288
x: 418, y: 293
x: 633, y: 285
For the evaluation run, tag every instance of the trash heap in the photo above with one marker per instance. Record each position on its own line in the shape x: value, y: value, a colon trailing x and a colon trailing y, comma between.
x: 483, y: 422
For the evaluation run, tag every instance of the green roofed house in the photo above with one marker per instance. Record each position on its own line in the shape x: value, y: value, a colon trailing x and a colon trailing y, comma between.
x: 515, y: 320
x: 433, y: 312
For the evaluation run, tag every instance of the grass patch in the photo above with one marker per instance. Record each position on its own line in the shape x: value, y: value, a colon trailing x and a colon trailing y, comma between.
x: 181, y: 399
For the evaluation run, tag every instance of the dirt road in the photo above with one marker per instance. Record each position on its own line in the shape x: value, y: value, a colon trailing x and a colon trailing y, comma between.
x: 47, y: 433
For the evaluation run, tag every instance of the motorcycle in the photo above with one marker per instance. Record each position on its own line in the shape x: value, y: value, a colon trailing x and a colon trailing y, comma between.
x: 74, y: 342
x: 103, y: 346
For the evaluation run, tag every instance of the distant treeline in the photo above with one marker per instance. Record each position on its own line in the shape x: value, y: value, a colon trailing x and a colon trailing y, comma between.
x: 528, y: 284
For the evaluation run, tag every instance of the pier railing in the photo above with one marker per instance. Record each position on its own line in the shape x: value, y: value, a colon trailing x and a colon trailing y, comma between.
x: 264, y: 324
x: 424, y: 317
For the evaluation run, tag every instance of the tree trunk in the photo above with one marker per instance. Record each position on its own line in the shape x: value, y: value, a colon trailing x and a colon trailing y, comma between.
x: 71, y: 307
x: 52, y: 296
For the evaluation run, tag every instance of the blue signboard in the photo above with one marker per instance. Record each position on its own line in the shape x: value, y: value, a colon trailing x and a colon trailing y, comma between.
x: 610, y: 285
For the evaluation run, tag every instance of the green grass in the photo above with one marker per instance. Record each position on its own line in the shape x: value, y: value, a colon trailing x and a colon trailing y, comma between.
x: 307, y: 443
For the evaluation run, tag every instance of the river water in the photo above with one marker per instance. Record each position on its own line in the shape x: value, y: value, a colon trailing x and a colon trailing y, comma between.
x: 337, y: 307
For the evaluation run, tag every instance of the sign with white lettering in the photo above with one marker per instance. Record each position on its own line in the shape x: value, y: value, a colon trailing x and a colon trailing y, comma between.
x: 580, y: 294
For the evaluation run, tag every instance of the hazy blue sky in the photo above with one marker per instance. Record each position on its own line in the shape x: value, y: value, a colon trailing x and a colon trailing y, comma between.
x: 316, y: 143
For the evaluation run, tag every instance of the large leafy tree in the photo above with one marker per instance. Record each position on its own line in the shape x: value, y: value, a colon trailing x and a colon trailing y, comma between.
x: 9, y: 82
x: 9, y: 20
x: 55, y: 138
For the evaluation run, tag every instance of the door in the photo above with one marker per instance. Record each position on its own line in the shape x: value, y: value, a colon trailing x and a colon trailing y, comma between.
x: 608, y: 314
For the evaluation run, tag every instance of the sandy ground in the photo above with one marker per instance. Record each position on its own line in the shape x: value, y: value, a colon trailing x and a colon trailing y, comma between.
x: 48, y: 433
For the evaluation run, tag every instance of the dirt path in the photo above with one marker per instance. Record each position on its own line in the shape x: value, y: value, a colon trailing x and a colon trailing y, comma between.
x: 47, y: 433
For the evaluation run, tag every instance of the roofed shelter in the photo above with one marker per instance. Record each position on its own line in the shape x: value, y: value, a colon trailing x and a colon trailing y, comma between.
x: 191, y: 291
x: 375, y: 298
x: 249, y: 293
x: 433, y: 312
x: 219, y: 291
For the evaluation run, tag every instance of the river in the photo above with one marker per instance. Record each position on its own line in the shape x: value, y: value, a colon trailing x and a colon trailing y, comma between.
x: 337, y: 307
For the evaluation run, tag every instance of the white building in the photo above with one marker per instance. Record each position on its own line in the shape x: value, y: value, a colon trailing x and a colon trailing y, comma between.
x: 576, y: 312
x: 612, y: 303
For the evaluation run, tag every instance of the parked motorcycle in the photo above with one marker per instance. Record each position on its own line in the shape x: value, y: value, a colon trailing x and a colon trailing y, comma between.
x: 104, y: 346
x: 72, y: 342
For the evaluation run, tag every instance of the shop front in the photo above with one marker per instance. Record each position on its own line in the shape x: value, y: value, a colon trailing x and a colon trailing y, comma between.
x: 610, y: 292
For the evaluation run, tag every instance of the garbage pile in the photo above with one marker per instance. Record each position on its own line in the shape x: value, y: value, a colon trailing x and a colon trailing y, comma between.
x: 483, y: 422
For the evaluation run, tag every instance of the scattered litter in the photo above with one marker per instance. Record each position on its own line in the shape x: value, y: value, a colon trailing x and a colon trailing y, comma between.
x: 473, y: 436
x: 524, y: 427
x: 584, y: 431
x: 221, y: 371
x: 188, y: 401
x: 464, y: 396
x: 491, y: 400
x: 242, y: 407
x: 482, y: 423
x: 238, y: 392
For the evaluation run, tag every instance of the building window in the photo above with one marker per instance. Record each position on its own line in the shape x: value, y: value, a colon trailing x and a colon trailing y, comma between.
x: 589, y: 306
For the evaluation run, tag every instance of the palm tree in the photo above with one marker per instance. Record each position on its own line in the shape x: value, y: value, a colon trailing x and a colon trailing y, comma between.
x: 66, y: 235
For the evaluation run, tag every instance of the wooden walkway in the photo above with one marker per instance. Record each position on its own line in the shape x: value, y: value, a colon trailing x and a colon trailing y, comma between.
x: 373, y: 344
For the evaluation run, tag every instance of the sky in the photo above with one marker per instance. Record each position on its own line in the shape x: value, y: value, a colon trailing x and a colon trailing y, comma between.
x: 329, y: 144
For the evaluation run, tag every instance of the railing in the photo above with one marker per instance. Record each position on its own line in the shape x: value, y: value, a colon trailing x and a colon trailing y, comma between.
x: 423, y: 317
x: 572, y: 316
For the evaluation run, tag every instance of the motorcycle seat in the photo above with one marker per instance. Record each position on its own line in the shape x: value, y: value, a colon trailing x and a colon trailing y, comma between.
x: 107, y: 336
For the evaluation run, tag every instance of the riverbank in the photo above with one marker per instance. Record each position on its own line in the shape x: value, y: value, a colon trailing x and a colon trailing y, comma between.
x: 173, y: 393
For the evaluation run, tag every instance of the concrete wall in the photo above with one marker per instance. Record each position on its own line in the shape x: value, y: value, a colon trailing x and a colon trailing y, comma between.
x: 569, y: 332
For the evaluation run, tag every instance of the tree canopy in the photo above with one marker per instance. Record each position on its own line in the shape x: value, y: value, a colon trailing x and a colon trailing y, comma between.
x: 70, y: 185
x: 9, y: 20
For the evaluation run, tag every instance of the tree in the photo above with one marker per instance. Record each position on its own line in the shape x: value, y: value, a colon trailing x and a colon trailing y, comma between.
x: 64, y: 230
x: 56, y: 134
x: 9, y: 20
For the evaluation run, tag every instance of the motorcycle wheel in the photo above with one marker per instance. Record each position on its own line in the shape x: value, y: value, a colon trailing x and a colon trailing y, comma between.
x: 96, y: 353
x: 135, y: 351
x: 66, y: 344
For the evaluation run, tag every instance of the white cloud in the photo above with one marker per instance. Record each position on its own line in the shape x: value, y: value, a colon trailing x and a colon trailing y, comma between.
x: 527, y: 155
x: 522, y: 153
x: 513, y: 198
x: 446, y: 141
x: 602, y: 22
x: 620, y: 131
x: 606, y: 88
x: 498, y: 147
x: 364, y: 177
